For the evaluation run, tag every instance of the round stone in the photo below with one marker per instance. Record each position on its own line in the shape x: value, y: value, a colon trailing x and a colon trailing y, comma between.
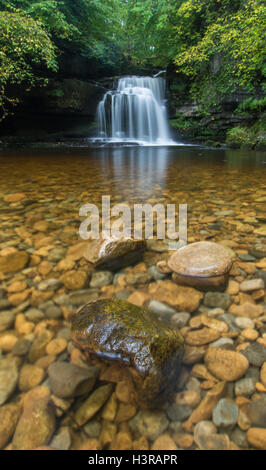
x: 203, y: 264
x: 201, y: 259
x: 225, y: 413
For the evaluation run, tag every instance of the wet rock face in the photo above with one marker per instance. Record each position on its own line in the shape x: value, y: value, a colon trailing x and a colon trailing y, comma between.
x: 202, y: 264
x: 114, y: 253
x: 115, y: 330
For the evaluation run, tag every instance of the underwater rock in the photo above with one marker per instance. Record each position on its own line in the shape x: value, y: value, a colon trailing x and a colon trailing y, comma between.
x: 202, y: 264
x: 114, y: 253
x: 115, y: 330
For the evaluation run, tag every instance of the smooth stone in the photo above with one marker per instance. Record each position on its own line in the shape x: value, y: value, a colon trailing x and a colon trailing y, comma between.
x: 243, y: 323
x: 255, y: 353
x: 226, y: 365
x: 13, y: 262
x: 247, y: 309
x: 202, y: 431
x: 8, y: 378
x: 37, y: 349
x: 150, y: 424
x: 178, y: 412
x: 201, y: 337
x: 251, y: 285
x: 62, y: 439
x: 9, y: 415
x: 244, y: 387
x: 93, y: 404
x: 81, y: 297
x: 239, y: 438
x: 7, y: 319
x: 51, y: 310
x: 183, y: 299
x: 201, y: 259
x: 263, y: 374
x: 101, y: 279
x: 204, y: 410
x: 74, y: 280
x: 256, y: 412
x: 161, y: 309
x: 164, y: 442
x: 180, y: 319
x: 21, y: 347
x: 225, y: 413
x: 217, y: 299
x: 222, y: 343
x: 35, y: 315
x: 156, y: 274
x: 50, y: 285
x: 259, y: 250
x: 30, y: 376
x: 257, y: 438
x: 93, y: 428
x: 69, y: 380
x: 114, y: 253
x: 37, y: 422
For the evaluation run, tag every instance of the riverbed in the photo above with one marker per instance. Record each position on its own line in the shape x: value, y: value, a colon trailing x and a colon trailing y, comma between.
x: 41, y: 192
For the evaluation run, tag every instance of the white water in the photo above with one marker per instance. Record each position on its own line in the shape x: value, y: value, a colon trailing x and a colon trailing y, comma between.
x: 135, y: 112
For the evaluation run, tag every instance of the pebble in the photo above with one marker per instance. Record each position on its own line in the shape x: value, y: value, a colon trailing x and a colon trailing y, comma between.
x: 255, y: 353
x: 56, y: 346
x: 161, y: 309
x: 8, y: 378
x: 178, y: 412
x: 226, y: 365
x: 34, y: 315
x: 183, y: 299
x: 204, y: 410
x: 93, y: 404
x: 37, y: 422
x: 9, y: 415
x: 201, y: 337
x: 225, y: 413
x: 101, y: 278
x: 244, y: 387
x: 149, y: 423
x: 246, y: 309
x: 221, y: 343
x: 251, y: 285
x: 50, y: 285
x: 37, y: 349
x: 239, y: 438
x: 62, y: 439
x: 30, y: 376
x: 250, y: 334
x: 257, y: 438
x: 217, y: 300
x: 256, y: 412
x: 263, y: 374
x: 74, y: 280
x: 180, y: 319
x: 122, y: 441
x: 189, y: 398
x: 7, y: 319
x: 164, y: 442
x: 202, y: 431
x: 243, y: 322
x: 68, y: 380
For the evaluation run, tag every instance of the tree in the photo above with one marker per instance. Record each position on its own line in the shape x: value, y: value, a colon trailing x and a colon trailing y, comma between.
x: 24, y: 45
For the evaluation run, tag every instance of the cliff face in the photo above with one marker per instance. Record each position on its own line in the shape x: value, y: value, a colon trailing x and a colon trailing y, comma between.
x: 188, y: 122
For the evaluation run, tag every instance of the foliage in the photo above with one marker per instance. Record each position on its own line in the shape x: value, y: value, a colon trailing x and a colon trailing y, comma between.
x: 24, y: 45
x: 252, y: 105
x: 215, y: 46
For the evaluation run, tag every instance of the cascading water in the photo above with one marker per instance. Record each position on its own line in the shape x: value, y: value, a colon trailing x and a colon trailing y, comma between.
x: 135, y: 112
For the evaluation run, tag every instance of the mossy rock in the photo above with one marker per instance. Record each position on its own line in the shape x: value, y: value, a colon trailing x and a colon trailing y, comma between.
x: 115, y: 330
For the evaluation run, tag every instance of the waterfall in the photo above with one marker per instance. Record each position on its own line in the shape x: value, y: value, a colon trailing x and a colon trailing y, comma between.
x: 135, y: 111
